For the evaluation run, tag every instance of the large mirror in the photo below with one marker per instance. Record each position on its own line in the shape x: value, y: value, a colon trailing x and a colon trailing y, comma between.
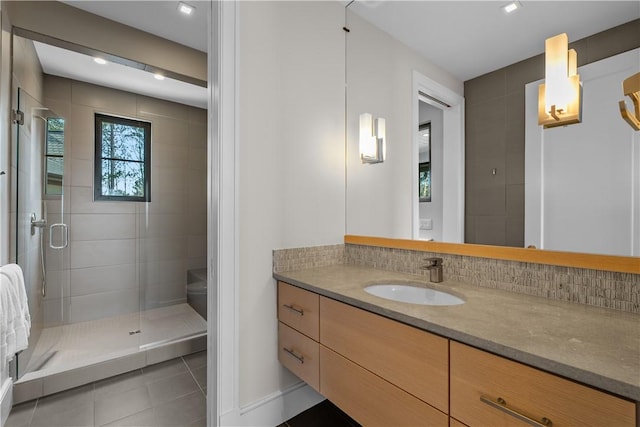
x: 414, y: 63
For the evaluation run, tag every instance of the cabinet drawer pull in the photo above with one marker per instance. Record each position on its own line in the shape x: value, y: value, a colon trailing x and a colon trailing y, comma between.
x: 501, y: 405
x: 298, y: 311
x: 291, y: 352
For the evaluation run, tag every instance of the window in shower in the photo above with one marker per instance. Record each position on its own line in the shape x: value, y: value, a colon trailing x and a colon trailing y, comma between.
x: 54, y: 156
x: 122, y: 160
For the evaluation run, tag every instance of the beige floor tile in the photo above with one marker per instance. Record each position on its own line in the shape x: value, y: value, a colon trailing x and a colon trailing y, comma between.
x: 196, y: 360
x: 119, y: 384
x: 164, y: 370
x: 183, y: 411
x: 171, y: 388
x: 120, y: 405
x: 64, y: 401
x: 145, y: 418
x: 200, y: 374
x: 73, y: 416
x: 21, y: 415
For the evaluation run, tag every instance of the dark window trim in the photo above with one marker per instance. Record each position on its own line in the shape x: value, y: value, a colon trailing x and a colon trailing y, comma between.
x: 97, y: 178
x: 425, y: 166
x: 46, y: 175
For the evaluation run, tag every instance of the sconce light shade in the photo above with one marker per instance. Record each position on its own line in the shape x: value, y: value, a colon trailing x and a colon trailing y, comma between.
x: 559, y: 97
x: 372, y: 139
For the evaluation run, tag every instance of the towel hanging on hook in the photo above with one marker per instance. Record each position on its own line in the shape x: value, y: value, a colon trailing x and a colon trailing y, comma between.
x: 15, y: 320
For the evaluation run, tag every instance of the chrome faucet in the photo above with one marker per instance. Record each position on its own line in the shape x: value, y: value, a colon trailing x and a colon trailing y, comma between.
x: 435, y: 269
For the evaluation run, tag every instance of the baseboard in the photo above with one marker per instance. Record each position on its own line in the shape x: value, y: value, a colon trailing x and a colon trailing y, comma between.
x: 6, y: 401
x: 274, y: 409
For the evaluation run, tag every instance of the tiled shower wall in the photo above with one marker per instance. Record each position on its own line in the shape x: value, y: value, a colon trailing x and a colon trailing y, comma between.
x: 123, y: 256
x: 619, y: 291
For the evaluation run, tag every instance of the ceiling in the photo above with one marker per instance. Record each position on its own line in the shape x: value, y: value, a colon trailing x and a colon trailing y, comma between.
x: 166, y: 22
x: 159, y: 17
x: 466, y: 38
x: 472, y: 38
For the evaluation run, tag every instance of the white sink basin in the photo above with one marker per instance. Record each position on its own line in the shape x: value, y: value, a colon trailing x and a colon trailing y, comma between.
x: 413, y: 294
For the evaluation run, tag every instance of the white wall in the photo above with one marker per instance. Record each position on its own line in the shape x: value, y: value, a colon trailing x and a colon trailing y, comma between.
x: 379, y: 79
x: 433, y: 210
x: 291, y: 162
x: 589, y: 198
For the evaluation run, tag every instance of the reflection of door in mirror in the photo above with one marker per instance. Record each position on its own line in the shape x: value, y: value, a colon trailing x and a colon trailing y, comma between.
x: 437, y: 159
x: 430, y: 195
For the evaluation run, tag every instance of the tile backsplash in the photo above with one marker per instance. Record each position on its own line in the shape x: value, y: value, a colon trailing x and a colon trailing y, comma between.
x: 309, y: 257
x: 619, y: 291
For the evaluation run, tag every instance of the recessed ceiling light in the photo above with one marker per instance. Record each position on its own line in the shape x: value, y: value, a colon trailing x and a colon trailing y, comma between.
x: 158, y: 76
x: 99, y: 61
x: 185, y: 8
x: 512, y: 7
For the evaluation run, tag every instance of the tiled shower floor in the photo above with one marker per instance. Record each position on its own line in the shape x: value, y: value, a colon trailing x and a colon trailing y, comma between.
x: 72, y: 355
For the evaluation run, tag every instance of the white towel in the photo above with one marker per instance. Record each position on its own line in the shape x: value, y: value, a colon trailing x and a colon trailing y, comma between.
x: 15, y: 320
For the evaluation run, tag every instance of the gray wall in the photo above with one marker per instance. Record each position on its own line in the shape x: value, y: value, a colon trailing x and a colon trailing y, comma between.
x: 494, y: 122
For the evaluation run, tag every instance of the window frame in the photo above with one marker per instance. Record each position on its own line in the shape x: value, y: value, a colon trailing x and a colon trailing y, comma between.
x: 48, y: 156
x: 97, y: 178
x: 425, y: 167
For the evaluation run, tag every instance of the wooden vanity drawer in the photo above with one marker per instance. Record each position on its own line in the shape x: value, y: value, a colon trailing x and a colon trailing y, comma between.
x: 476, y: 374
x: 369, y: 399
x: 414, y: 359
x: 299, y: 354
x: 455, y: 423
x: 299, y: 309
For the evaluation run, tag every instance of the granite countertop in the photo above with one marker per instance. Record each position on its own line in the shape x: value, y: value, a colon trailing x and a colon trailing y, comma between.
x: 595, y: 346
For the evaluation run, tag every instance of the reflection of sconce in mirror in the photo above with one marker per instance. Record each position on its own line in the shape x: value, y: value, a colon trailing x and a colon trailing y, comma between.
x: 559, y: 97
x: 372, y: 139
x: 631, y: 88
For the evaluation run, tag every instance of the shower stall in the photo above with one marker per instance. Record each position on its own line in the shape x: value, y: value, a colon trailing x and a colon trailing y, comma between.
x: 106, y: 279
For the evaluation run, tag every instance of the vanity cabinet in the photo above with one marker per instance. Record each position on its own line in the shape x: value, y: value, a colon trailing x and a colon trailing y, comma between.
x: 369, y: 399
x: 379, y: 371
x: 490, y: 390
x: 298, y: 321
x: 415, y: 360
x: 299, y: 309
x: 383, y: 372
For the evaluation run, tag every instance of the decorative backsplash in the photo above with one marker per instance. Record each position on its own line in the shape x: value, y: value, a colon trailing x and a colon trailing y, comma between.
x: 619, y: 291
x: 309, y: 257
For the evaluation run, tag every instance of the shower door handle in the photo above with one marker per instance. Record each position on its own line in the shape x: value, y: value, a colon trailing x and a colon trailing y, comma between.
x: 65, y: 235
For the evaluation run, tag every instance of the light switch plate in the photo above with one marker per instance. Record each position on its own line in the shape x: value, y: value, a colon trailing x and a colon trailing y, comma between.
x: 426, y: 224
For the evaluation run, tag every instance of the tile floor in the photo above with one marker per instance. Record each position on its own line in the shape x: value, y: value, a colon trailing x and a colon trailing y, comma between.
x: 168, y: 394
x: 171, y: 394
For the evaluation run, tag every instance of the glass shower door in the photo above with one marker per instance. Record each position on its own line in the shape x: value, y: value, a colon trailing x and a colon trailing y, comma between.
x: 40, y: 224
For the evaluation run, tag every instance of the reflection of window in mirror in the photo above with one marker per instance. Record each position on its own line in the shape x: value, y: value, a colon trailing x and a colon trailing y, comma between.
x: 54, y: 156
x: 424, y: 155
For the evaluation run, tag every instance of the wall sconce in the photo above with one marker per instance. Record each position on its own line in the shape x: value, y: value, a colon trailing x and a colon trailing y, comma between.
x: 631, y: 88
x: 559, y: 97
x: 372, y: 139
